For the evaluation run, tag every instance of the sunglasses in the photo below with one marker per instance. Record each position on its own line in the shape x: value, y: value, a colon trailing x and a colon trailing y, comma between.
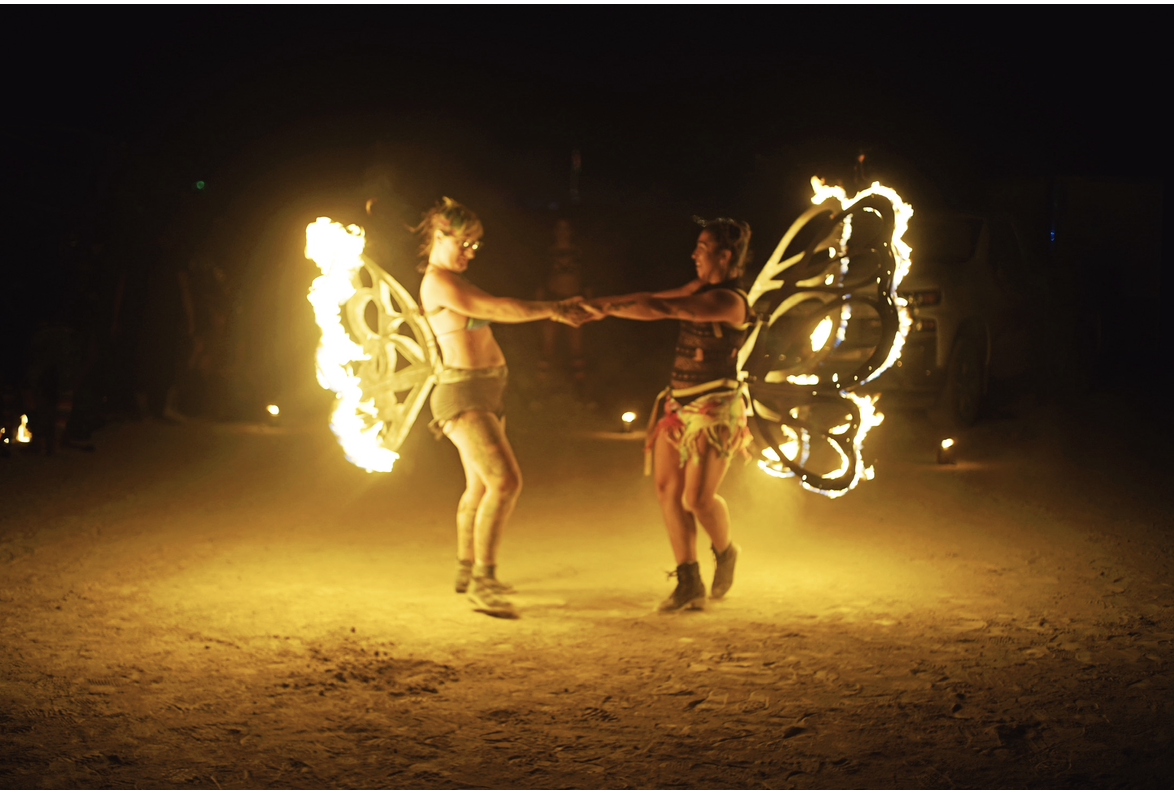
x: 467, y: 245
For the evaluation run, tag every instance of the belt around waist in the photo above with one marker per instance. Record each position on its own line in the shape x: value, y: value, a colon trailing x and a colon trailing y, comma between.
x: 465, y: 375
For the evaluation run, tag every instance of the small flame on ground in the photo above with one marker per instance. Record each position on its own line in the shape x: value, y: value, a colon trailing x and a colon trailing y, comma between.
x: 23, y: 435
x: 628, y: 417
x: 338, y: 253
x: 947, y: 443
x: 273, y: 410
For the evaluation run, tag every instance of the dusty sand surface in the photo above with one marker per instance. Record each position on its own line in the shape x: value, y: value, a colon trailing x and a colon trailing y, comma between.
x: 235, y: 606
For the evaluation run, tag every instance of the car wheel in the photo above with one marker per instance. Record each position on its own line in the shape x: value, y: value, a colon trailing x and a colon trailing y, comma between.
x: 962, y: 396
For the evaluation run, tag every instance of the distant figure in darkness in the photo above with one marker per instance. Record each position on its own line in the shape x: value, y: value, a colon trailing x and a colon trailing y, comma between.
x: 467, y: 403
x: 564, y: 280
x: 61, y: 351
x: 699, y: 421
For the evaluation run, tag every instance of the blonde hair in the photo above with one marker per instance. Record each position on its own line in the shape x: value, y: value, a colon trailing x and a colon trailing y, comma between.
x: 449, y: 216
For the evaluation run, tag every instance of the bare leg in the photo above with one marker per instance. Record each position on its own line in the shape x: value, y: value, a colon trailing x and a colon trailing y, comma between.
x: 467, y: 512
x: 670, y: 486
x: 480, y: 438
x: 701, y: 481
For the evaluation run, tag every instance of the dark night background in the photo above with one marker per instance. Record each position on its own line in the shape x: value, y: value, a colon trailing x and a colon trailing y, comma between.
x: 115, y: 115
x: 226, y: 602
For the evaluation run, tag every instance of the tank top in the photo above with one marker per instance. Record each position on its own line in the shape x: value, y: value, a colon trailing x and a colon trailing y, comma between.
x: 708, y: 351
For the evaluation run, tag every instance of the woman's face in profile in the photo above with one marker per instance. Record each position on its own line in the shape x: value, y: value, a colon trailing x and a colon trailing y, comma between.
x: 712, y: 263
x: 452, y: 251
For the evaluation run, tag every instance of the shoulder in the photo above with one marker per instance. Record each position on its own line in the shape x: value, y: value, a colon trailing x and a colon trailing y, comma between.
x: 436, y: 283
x: 439, y: 278
x: 732, y: 300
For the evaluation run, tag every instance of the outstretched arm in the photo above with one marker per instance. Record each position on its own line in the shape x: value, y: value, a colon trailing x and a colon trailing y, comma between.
x: 719, y: 305
x: 448, y: 290
x: 681, y: 291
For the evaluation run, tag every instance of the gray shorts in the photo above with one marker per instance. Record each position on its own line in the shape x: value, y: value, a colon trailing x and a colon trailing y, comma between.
x: 462, y: 390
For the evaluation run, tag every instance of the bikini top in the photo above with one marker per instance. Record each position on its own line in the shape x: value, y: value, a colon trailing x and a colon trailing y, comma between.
x: 472, y: 323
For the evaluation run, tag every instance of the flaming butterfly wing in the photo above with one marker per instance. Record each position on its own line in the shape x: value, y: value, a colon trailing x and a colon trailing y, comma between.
x: 402, y: 359
x: 804, y: 363
x: 377, y: 352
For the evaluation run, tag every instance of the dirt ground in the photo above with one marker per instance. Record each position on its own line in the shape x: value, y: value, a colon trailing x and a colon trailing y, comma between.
x: 235, y: 606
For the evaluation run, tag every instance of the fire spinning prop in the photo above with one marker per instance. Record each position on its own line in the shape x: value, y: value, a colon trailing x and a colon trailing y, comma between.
x: 804, y: 362
x: 382, y: 362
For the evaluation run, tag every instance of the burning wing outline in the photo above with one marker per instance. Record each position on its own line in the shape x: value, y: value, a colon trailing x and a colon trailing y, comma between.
x: 377, y: 351
x: 803, y: 304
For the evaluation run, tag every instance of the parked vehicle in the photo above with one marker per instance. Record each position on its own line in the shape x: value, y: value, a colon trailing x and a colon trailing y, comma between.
x: 980, y: 311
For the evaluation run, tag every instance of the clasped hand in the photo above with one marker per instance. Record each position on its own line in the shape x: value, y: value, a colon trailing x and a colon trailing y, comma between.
x: 574, y: 312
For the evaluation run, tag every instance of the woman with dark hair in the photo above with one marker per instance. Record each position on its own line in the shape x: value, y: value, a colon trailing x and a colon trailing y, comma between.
x: 699, y: 421
x: 467, y: 402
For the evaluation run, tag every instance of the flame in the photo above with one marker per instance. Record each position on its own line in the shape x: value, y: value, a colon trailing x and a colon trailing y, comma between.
x: 791, y: 447
x: 869, y: 416
x: 273, y: 410
x: 628, y: 417
x: 337, y: 251
x: 947, y: 443
x: 902, y: 212
x: 821, y: 334
x: 22, y: 432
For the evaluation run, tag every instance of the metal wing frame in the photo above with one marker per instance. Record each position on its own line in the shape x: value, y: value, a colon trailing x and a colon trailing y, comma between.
x: 400, y: 368
x: 836, y: 272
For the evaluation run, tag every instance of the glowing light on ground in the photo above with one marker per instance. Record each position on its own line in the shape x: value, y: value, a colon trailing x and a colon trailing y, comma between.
x: 273, y: 410
x: 22, y: 432
x: 338, y: 253
x: 946, y: 452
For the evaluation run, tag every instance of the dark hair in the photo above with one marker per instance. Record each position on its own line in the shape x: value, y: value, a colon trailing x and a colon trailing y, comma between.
x: 451, y: 217
x: 729, y: 235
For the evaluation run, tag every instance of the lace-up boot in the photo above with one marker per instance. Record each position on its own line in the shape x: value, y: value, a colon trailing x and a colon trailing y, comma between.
x: 690, y: 592
x: 487, y: 594
x: 723, y: 575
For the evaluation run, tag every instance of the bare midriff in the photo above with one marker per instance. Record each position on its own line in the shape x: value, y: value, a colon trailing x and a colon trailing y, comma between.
x: 465, y: 349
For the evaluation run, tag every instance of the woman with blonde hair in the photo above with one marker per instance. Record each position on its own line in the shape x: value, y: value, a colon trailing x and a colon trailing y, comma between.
x: 467, y: 403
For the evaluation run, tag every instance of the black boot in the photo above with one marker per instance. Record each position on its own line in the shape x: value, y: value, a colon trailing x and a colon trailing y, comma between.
x: 690, y: 592
x: 723, y: 576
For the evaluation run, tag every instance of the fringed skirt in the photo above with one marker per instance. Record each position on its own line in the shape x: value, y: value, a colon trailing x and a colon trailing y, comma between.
x: 717, y: 420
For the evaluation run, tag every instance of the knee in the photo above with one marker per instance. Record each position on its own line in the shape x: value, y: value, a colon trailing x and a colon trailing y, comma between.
x: 507, y: 484
x: 668, y: 490
x: 694, y: 500
x: 471, y: 498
